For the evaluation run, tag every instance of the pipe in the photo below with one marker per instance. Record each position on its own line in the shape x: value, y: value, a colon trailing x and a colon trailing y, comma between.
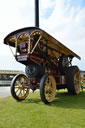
x: 37, y: 13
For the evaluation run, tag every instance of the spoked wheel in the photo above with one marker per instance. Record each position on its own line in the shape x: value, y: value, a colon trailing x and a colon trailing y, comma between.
x: 73, y: 80
x: 18, y: 91
x: 47, y: 88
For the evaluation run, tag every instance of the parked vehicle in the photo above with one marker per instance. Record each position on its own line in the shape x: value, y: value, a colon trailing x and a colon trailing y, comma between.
x: 48, y: 64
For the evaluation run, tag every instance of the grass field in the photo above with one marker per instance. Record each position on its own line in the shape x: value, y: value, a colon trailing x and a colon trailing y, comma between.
x: 65, y: 112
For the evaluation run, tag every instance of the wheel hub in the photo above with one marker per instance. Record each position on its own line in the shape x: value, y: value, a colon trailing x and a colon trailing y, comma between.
x: 20, y: 87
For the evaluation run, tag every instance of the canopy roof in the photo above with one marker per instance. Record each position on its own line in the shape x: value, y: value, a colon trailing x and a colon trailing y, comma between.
x: 55, y: 48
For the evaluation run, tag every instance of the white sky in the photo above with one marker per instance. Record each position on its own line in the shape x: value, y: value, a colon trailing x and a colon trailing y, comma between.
x: 64, y: 19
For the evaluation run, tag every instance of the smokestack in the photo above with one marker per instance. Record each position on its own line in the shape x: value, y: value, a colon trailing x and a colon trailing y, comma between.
x: 37, y: 13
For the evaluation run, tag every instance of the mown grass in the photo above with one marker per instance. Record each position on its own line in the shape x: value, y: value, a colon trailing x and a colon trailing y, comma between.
x: 65, y: 112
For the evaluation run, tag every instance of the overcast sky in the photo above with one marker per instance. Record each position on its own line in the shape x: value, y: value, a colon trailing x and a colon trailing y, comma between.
x: 63, y: 19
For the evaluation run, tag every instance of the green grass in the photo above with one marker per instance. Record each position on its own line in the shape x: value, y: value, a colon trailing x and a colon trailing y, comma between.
x: 65, y: 112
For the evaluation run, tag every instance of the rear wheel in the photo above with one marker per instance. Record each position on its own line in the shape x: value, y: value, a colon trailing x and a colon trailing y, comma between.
x: 73, y: 80
x: 47, y: 88
x: 18, y: 90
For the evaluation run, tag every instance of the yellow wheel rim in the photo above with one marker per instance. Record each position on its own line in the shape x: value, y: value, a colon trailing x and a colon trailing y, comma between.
x: 77, y: 80
x: 50, y: 88
x: 20, y: 91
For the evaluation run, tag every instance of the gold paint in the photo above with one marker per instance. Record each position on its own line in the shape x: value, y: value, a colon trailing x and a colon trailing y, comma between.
x: 12, y: 40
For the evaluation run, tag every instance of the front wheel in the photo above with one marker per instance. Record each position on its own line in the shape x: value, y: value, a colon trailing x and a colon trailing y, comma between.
x: 47, y: 88
x: 18, y: 90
